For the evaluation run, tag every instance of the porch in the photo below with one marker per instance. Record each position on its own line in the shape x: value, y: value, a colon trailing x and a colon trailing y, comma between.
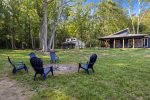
x: 125, y: 42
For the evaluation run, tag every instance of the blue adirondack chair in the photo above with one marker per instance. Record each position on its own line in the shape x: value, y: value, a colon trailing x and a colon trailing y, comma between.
x: 17, y: 66
x: 53, y: 56
x: 89, y: 64
x: 37, y: 65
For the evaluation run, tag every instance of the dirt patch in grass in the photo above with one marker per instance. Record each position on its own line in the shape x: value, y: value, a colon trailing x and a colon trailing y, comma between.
x: 12, y: 90
x: 64, y: 68
x: 147, y: 56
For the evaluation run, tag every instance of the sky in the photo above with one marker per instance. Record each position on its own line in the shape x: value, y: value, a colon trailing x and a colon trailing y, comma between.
x: 92, y: 1
x: 135, y: 10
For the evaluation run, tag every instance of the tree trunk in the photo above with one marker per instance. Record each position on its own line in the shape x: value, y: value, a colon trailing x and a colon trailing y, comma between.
x: 13, y: 37
x: 12, y: 44
x: 40, y: 35
x: 22, y: 39
x: 53, y: 44
x: 6, y: 43
x: 50, y: 45
x: 31, y: 37
x: 39, y: 12
x: 44, y: 26
x: 133, y: 28
x: 34, y: 43
x: 90, y: 45
x: 13, y: 41
x: 22, y: 44
x: 139, y: 12
x: 138, y: 25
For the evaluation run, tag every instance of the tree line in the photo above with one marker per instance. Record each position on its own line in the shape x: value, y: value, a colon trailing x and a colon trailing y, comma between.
x: 45, y: 24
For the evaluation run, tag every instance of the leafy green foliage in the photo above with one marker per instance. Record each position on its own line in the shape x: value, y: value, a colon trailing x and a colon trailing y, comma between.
x: 111, y: 18
x: 146, y: 23
x: 20, y: 21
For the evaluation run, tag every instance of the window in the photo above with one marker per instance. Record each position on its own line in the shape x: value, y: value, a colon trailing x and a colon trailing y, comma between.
x: 67, y: 40
x: 73, y: 39
x: 138, y: 43
x: 146, y: 42
x: 117, y: 44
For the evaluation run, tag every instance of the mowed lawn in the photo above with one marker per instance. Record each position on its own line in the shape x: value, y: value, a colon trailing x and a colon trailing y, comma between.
x: 119, y: 74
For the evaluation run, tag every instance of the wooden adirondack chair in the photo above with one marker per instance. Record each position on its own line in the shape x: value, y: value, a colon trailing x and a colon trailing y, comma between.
x: 32, y: 54
x: 89, y: 64
x: 17, y: 66
x: 53, y: 57
x: 37, y: 65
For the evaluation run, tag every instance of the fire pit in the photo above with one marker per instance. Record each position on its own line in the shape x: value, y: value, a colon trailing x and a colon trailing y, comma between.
x: 64, y: 68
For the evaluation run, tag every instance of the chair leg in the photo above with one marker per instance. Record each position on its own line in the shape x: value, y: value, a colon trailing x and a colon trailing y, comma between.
x: 26, y: 68
x: 52, y: 70
x: 14, y: 71
x: 87, y: 71
x: 79, y: 67
x: 35, y: 77
x: 92, y: 69
x: 44, y: 76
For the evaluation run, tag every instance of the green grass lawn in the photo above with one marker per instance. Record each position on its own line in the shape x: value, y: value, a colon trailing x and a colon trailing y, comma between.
x: 119, y: 74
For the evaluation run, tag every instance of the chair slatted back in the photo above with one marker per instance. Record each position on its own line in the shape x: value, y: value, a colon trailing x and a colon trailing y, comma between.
x: 37, y: 65
x: 92, y: 60
x: 32, y: 54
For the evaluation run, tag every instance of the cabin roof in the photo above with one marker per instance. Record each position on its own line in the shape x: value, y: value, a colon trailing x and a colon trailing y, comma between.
x: 125, y: 31
x: 122, y: 34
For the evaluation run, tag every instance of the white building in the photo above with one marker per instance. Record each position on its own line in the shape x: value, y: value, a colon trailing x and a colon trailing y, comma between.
x: 72, y: 43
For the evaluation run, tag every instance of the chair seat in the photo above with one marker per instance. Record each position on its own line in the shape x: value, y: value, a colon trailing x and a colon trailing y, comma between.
x: 20, y: 67
x: 84, y: 66
x: 37, y: 65
x: 47, y: 70
x: 89, y: 64
x: 17, y: 66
